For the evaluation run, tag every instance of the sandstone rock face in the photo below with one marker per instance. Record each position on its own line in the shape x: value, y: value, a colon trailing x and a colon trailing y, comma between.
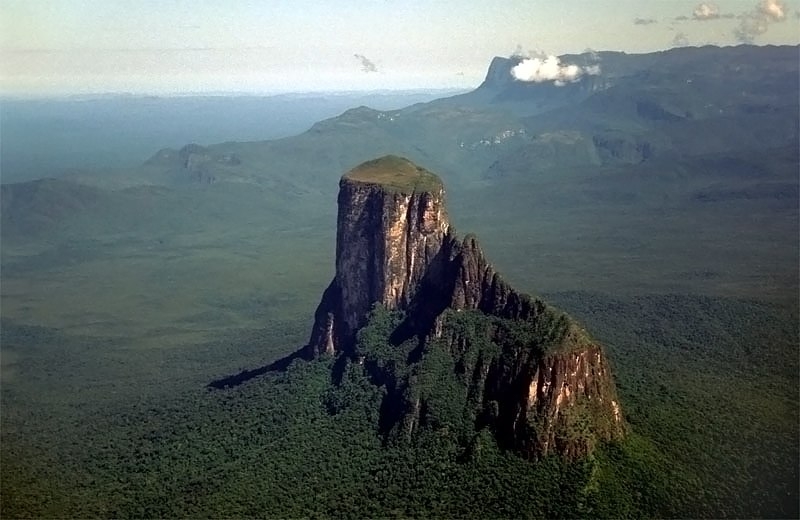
x: 564, y: 403
x: 536, y: 378
x: 560, y: 383
x: 478, y: 286
x: 386, y: 241
x: 388, y: 235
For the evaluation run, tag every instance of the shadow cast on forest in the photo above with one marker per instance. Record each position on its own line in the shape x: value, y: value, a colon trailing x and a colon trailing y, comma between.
x: 233, y: 380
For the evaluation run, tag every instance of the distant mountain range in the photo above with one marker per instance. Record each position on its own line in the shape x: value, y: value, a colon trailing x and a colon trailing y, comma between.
x: 680, y: 106
x: 691, y: 125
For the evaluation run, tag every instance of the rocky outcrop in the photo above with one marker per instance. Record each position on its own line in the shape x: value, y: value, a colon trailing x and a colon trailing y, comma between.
x: 562, y: 402
x: 528, y: 372
x: 194, y: 162
x: 477, y: 285
x: 570, y: 391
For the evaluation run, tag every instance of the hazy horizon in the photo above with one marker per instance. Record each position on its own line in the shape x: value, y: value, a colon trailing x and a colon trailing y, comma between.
x: 77, y: 96
x: 89, y: 47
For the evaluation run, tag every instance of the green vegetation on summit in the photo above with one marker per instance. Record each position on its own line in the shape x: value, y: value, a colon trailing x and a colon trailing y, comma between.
x: 396, y: 174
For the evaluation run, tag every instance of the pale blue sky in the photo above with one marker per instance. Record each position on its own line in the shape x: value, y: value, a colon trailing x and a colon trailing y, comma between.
x: 144, y: 46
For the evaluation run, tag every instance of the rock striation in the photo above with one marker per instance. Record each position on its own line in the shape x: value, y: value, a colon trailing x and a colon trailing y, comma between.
x: 527, y: 372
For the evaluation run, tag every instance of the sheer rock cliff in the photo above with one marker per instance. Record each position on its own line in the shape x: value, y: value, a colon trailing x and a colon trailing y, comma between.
x: 388, y: 236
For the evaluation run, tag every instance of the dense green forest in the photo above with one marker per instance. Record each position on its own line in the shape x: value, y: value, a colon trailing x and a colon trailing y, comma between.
x: 708, y: 385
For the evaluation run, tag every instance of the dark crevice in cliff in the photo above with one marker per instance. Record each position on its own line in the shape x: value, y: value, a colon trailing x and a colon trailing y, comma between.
x: 431, y: 298
x: 408, y: 251
x: 338, y: 368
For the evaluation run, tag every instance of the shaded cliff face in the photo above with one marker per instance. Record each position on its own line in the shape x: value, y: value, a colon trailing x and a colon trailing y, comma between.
x: 509, y: 362
x: 559, y: 402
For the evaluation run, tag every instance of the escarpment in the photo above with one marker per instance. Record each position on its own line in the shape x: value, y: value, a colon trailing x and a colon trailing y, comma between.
x: 424, y: 315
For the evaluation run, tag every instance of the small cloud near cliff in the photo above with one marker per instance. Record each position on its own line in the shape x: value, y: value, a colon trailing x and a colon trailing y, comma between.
x: 367, y: 65
x: 705, y: 12
x: 644, y: 21
x: 680, y: 40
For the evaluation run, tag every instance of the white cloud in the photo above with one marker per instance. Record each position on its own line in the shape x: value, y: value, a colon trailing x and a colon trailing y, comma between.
x: 705, y: 11
x: 680, y: 40
x: 550, y: 68
x: 756, y: 22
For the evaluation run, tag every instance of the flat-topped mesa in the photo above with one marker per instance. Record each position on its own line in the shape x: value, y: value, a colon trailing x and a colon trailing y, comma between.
x: 395, y: 174
x: 391, y: 224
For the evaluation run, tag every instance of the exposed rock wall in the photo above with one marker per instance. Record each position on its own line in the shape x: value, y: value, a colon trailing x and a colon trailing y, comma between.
x: 478, y: 286
x: 563, y: 402
x: 386, y: 241
x: 569, y: 391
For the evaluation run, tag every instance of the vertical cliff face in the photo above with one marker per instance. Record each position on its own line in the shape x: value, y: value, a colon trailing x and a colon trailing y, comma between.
x: 529, y: 372
x: 386, y: 241
x: 478, y: 286
x: 391, y: 225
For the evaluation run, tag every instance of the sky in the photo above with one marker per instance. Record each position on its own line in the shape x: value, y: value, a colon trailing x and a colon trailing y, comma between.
x: 56, y: 47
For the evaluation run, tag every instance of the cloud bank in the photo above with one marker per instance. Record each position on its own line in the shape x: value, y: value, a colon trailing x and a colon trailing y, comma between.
x: 756, y: 22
